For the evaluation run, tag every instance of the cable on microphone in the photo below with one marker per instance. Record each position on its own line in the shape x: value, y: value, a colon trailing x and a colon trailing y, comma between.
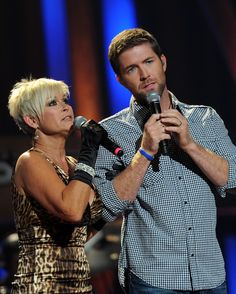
x: 106, y: 142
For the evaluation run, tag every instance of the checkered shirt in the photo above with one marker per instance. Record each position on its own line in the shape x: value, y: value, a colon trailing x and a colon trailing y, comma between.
x: 168, y: 235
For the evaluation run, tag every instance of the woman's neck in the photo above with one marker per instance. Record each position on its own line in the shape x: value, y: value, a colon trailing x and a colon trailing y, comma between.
x: 56, y: 152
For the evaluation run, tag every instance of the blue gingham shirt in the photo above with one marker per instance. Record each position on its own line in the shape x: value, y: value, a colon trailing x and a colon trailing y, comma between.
x: 169, y: 231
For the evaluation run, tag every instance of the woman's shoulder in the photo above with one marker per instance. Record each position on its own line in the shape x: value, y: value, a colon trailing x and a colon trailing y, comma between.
x: 31, y: 161
x: 21, y: 168
x: 27, y: 157
x: 23, y: 159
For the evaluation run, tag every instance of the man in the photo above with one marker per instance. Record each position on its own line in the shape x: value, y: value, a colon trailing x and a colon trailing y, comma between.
x: 167, y: 201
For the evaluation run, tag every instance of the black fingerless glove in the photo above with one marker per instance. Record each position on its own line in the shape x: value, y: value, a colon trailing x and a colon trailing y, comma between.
x: 92, y: 135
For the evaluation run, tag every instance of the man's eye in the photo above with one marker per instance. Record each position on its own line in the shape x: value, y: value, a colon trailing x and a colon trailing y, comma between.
x: 149, y: 61
x: 130, y: 70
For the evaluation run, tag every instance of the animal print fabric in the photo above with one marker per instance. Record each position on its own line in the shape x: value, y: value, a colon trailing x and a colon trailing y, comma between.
x: 52, y: 258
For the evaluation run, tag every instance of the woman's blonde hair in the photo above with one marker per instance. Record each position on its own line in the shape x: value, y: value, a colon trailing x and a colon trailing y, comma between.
x: 29, y: 97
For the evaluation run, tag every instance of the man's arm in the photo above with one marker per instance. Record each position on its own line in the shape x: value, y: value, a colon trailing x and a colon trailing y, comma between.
x: 212, y: 165
x: 215, y: 167
x: 128, y: 182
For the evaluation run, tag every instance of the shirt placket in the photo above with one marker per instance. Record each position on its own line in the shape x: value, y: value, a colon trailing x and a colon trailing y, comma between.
x: 181, y: 182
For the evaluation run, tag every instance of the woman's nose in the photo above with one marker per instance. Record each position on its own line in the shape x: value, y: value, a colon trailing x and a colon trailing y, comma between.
x: 64, y: 105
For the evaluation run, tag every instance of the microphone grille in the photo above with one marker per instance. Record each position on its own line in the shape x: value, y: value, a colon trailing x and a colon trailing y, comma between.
x: 153, y: 97
x: 79, y: 121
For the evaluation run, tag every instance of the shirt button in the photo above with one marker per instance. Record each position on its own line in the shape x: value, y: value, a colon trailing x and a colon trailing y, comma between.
x: 185, y: 202
x: 192, y: 255
x: 189, y: 228
x: 180, y: 178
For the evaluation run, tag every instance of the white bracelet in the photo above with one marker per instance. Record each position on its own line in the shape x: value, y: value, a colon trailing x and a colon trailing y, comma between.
x: 86, y: 168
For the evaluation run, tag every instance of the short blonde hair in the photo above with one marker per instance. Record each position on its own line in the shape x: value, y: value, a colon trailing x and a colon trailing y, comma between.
x: 29, y: 97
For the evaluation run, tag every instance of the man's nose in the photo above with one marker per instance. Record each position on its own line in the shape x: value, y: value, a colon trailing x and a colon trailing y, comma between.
x: 144, y: 74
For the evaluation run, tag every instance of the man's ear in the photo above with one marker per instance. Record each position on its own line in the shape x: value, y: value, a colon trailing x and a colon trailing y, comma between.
x: 31, y: 121
x: 119, y: 79
x: 163, y: 61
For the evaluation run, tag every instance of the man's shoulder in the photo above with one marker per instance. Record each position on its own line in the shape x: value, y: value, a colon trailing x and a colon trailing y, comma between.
x: 193, y: 106
x: 115, y: 118
x: 196, y: 110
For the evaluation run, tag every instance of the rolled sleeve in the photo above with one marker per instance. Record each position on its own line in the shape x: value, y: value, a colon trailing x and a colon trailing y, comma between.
x: 227, y: 150
x: 231, y: 178
x: 113, y: 205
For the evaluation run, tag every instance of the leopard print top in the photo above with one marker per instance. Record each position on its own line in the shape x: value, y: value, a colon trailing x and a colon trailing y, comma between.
x: 52, y: 258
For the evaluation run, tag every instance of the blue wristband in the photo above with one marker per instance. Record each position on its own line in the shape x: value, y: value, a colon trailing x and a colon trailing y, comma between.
x: 145, y: 154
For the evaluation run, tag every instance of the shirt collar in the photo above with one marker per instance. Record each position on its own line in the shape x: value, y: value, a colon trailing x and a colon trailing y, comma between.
x: 142, y: 113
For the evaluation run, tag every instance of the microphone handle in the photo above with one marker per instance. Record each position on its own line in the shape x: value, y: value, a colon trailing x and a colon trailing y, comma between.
x: 164, y: 146
x: 156, y: 108
x: 106, y: 142
x: 112, y: 147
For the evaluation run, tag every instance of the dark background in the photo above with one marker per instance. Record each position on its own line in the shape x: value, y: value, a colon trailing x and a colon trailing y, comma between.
x: 198, y: 38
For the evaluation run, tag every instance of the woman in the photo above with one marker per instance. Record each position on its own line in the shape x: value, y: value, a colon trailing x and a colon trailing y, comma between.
x: 55, y: 203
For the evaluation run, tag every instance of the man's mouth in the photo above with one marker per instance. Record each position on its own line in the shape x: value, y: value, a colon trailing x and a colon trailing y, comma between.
x: 149, y: 86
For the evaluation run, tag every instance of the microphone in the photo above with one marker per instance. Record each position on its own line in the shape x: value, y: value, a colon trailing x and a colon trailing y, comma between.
x: 153, y: 99
x: 106, y: 142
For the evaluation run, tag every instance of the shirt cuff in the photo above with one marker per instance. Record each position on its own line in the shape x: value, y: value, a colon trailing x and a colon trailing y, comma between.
x: 114, y: 206
x: 231, y: 183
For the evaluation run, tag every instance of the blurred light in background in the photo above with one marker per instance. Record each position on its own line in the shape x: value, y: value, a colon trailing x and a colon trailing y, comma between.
x: 117, y: 15
x: 230, y: 260
x: 54, y: 23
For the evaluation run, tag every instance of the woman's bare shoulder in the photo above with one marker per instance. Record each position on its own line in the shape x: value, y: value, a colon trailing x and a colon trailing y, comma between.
x: 28, y: 158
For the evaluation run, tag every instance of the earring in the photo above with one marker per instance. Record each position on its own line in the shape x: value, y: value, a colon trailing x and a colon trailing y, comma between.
x: 36, y: 135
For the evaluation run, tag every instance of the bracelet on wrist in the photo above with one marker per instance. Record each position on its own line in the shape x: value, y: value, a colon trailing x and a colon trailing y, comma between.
x: 145, y: 154
x: 86, y: 168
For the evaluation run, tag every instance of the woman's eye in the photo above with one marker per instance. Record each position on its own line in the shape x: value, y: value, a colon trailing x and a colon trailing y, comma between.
x: 66, y: 101
x: 52, y: 103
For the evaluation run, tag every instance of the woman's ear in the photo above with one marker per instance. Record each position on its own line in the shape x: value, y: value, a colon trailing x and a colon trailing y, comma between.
x: 31, y: 121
